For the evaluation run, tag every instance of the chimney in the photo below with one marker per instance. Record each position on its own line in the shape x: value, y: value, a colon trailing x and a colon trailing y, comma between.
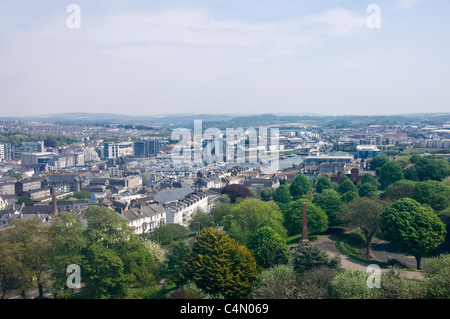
x: 305, y: 239
x: 54, y: 203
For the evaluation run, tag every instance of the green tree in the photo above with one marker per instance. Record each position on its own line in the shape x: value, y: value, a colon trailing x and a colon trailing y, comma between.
x: 11, y: 267
x: 200, y: 220
x: 414, y: 227
x: 279, y: 282
x: 377, y: 163
x: 352, y: 284
x: 323, y: 183
x: 166, y: 234
x: 69, y: 243
x: 34, y: 237
x: 246, y: 216
x: 390, y: 173
x: 346, y: 186
x: 103, y: 273
x: 268, y: 247
x: 394, y: 286
x: 400, y: 189
x: 317, y: 218
x: 282, y: 195
x: 367, y: 190
x: 434, y: 193
x: 431, y: 167
x: 219, y: 265
x: 300, y: 186
x: 138, y: 263
x: 349, y: 196
x: 267, y: 193
x: 106, y: 226
x: 145, y: 178
x: 368, y: 178
x: 330, y: 201
x: 221, y: 210
x: 276, y: 225
x: 310, y: 256
x: 365, y: 214
x: 437, y: 271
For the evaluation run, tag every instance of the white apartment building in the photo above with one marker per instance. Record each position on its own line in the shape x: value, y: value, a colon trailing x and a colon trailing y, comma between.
x: 181, y: 212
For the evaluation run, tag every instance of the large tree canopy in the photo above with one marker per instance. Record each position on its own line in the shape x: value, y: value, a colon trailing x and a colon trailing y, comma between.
x: 414, y: 227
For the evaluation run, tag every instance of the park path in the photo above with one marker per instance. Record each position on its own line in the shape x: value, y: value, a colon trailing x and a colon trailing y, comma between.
x: 326, y: 242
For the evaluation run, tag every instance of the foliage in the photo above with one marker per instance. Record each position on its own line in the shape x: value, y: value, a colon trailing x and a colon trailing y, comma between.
x: 68, y: 247
x: 431, y: 167
x: 377, y: 162
x: 367, y: 190
x: 103, y: 273
x: 400, y: 189
x: 330, y: 201
x: 268, y: 247
x: 219, y: 265
x: 437, y: 271
x: 245, y: 217
x: 235, y: 191
x: 33, y: 240
x: 368, y: 178
x: 323, y: 183
x: 267, y: 193
x: 316, y: 282
x: 346, y: 186
x: 414, y: 227
x: 309, y: 256
x: 293, y: 212
x: 390, y: 173
x: 279, y: 282
x: 282, y: 195
x: 301, y: 185
x: 221, y: 210
x: 349, y: 196
x: 393, y: 286
x: 434, y: 193
x: 365, y: 214
x: 166, y: 234
x: 155, y: 249
x: 200, y: 220
x: 352, y: 284
x: 276, y: 225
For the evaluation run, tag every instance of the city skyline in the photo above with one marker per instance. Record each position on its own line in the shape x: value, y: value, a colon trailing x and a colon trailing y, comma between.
x: 216, y: 57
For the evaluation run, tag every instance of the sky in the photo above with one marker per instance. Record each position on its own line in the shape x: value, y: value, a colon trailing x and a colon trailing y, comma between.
x: 153, y: 57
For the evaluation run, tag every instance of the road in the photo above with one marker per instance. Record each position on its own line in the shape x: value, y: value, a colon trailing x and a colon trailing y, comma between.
x: 327, y: 243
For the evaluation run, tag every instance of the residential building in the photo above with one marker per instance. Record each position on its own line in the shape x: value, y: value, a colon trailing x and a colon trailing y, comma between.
x: 181, y: 211
x: 27, y: 185
x: 7, y: 188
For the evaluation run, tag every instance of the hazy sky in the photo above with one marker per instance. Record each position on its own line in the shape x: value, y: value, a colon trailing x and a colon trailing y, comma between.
x: 224, y: 56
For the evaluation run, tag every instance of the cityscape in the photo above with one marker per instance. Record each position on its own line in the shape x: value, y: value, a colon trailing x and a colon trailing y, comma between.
x: 216, y: 156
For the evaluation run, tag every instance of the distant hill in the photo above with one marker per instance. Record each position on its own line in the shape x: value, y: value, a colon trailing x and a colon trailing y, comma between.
x: 223, y: 121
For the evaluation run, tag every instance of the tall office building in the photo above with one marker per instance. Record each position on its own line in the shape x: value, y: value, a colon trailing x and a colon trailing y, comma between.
x: 114, y: 150
x: 5, y: 152
x: 146, y: 148
x: 27, y: 147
